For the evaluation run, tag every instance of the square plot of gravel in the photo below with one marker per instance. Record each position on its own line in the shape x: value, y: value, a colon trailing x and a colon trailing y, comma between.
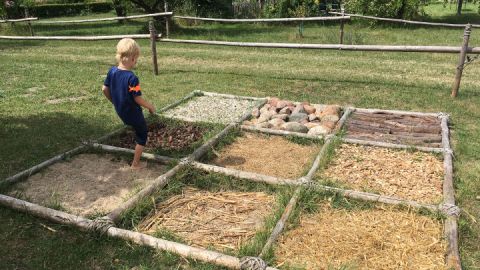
x: 223, y: 220
x: 363, y: 239
x: 166, y: 138
x: 88, y: 184
x: 212, y: 109
x: 269, y: 155
x: 414, y: 176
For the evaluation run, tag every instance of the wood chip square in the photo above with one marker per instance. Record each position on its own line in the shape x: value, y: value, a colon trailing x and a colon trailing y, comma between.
x: 223, y: 220
x: 414, y: 176
x: 363, y: 239
x: 269, y: 155
x: 88, y: 184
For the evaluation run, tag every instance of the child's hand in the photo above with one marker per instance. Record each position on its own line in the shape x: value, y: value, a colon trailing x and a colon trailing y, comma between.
x: 151, y: 110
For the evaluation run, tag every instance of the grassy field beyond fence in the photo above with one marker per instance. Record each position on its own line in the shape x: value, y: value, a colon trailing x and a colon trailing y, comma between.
x: 50, y: 101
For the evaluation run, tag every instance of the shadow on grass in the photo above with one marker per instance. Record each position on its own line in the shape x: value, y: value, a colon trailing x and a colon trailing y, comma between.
x: 31, y: 139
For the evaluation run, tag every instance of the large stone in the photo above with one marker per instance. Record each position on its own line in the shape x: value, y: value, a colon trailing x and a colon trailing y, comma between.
x: 284, y: 117
x: 299, y: 109
x: 312, y: 117
x: 265, y: 108
x: 330, y: 118
x: 329, y: 110
x: 309, y: 109
x: 318, y: 130
x: 263, y: 125
x: 286, y: 110
x: 294, y: 127
x: 273, y: 101
x: 318, y: 107
x: 256, y: 112
x: 311, y: 125
x: 329, y: 124
x: 297, y: 117
x: 264, y: 117
x: 276, y: 123
x: 282, y: 104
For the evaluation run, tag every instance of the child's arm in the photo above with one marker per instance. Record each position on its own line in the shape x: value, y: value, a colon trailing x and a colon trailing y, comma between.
x: 142, y: 102
x: 106, y: 92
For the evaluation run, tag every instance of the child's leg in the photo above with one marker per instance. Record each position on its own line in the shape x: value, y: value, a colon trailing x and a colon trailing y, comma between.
x: 137, y: 155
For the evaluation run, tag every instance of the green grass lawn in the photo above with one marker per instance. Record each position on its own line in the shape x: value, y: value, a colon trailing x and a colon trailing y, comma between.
x: 50, y: 101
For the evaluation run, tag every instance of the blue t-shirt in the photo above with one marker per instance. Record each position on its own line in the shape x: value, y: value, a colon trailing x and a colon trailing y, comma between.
x: 124, y: 86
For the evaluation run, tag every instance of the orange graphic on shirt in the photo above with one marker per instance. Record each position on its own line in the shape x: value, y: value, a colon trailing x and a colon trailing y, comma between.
x: 134, y: 89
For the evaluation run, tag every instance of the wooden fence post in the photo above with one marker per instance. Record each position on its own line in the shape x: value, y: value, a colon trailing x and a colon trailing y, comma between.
x: 28, y: 22
x: 167, y: 21
x: 461, y: 61
x: 342, y: 23
x: 153, y: 42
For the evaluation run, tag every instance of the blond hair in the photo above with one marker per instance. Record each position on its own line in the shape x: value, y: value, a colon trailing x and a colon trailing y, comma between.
x: 126, y: 49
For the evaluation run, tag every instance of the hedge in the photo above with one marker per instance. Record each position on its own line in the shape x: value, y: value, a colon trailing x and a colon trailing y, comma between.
x: 55, y: 10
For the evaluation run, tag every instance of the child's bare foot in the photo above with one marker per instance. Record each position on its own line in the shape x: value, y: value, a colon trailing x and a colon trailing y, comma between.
x: 138, y: 166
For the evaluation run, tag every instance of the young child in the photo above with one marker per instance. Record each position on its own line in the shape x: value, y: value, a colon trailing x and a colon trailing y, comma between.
x: 122, y: 88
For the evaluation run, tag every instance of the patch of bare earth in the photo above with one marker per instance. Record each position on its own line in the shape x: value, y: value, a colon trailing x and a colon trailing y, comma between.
x: 270, y: 155
x: 363, y: 239
x: 415, y: 176
x: 224, y: 220
x: 88, y: 184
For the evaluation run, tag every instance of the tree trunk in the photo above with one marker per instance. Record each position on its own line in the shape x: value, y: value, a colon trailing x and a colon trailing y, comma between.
x: 459, y: 7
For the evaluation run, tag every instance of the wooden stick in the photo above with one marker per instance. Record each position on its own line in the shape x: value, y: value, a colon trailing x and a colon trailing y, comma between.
x: 44, y: 212
x: 448, y: 189
x: 396, y: 112
x: 167, y: 20
x: 212, y: 94
x: 378, y: 48
x: 167, y: 14
x: 280, y: 132
x: 19, y: 20
x: 29, y: 23
x: 281, y: 223
x: 343, y: 119
x: 451, y: 234
x: 264, y: 20
x: 113, y: 149
x: 404, y: 21
x: 83, y: 38
x: 392, y: 145
x: 157, y: 184
x: 153, y: 44
x: 180, y: 101
x: 342, y: 25
x: 26, y: 173
x: 461, y: 60
x: 202, y: 150
x: 256, y: 177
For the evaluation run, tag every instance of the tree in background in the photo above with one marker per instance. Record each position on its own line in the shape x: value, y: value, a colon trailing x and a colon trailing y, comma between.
x: 399, y: 9
x: 222, y: 8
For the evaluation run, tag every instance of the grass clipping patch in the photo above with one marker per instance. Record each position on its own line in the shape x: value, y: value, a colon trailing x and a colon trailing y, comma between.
x: 363, y: 239
x: 270, y: 155
x: 415, y: 176
x: 88, y: 184
x: 224, y: 220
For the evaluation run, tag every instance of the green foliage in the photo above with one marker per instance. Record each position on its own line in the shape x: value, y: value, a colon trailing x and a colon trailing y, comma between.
x: 401, y: 9
x: 299, y: 8
x: 53, y: 10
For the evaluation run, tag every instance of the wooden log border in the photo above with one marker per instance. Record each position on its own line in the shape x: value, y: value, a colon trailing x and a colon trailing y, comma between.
x: 392, y: 145
x: 403, y: 21
x: 19, y: 20
x: 85, y: 224
x: 148, y: 156
x: 161, y: 14
x: 280, y: 132
x: 343, y: 47
x: 303, y: 19
x: 213, y: 94
x: 80, y: 38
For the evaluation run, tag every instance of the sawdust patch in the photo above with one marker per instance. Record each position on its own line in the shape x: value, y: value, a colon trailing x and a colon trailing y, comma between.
x: 410, y: 175
x: 88, y: 184
x: 270, y: 155
x: 224, y: 220
x: 364, y: 239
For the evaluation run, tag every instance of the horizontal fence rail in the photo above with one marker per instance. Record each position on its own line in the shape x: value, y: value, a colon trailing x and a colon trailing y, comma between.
x: 85, y: 38
x: 379, y: 48
x: 302, y: 19
x: 405, y: 21
x: 19, y: 20
x: 162, y: 14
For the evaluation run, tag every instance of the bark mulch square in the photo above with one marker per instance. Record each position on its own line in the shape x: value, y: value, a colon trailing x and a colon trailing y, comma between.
x: 378, y: 238
x: 414, y: 176
x: 395, y: 128
x: 269, y: 155
x: 87, y: 184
